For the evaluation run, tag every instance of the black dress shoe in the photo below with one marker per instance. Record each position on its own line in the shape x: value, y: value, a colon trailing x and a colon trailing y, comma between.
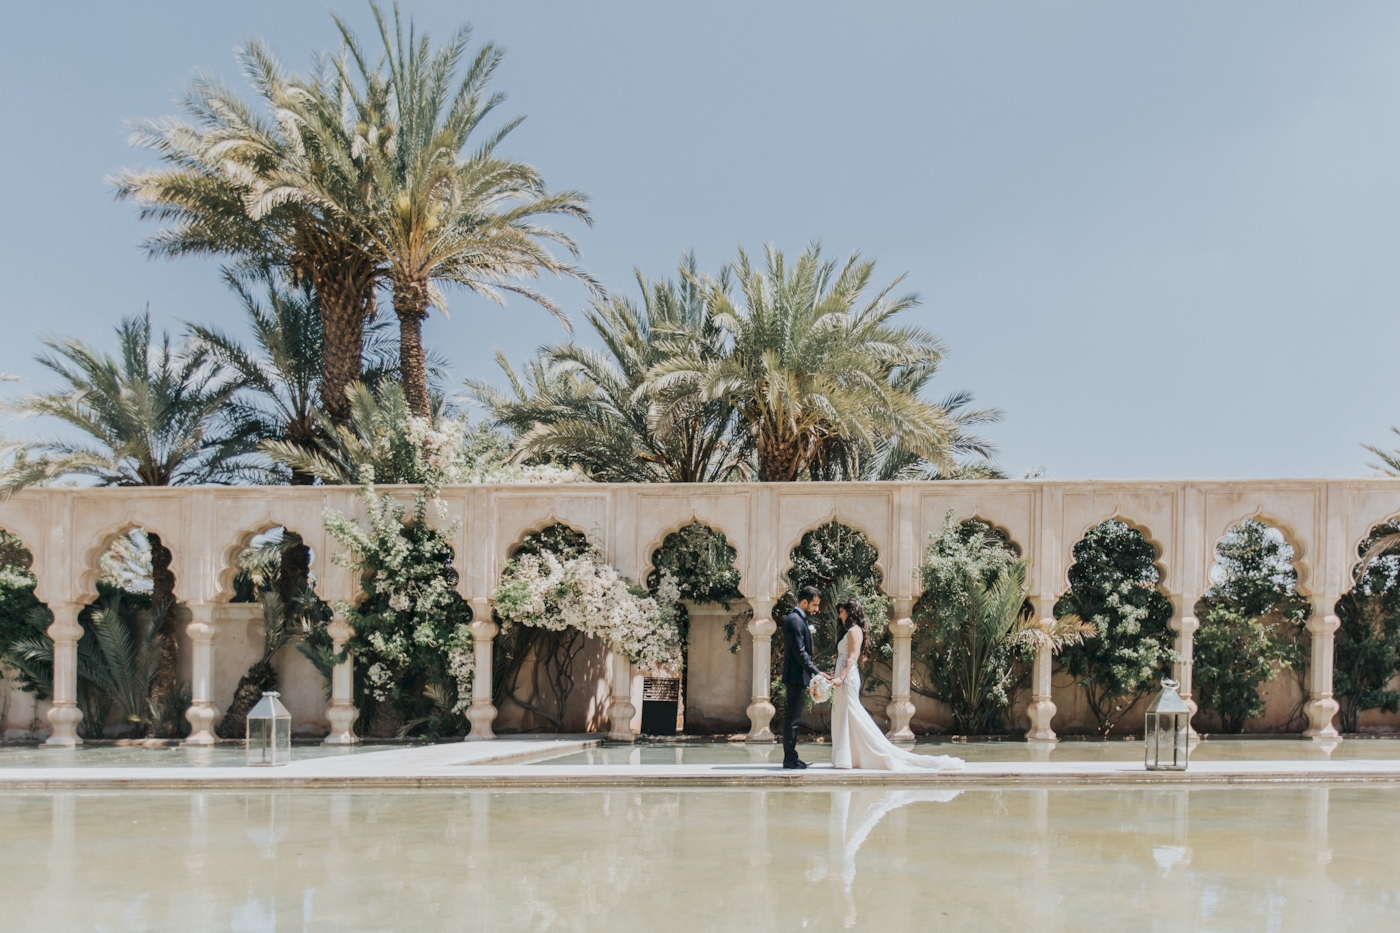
x: 794, y: 765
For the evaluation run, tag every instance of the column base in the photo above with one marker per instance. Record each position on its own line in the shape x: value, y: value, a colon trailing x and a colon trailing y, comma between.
x: 621, y: 714
x: 1041, y: 712
x: 1320, y: 713
x: 64, y: 720
x: 761, y: 712
x: 900, y: 711
x: 481, y: 714
x: 342, y: 719
x: 201, y: 719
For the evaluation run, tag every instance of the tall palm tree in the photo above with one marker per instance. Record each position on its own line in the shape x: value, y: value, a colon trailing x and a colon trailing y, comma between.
x: 590, y: 408
x: 813, y: 369
x: 428, y: 212
x: 213, y: 197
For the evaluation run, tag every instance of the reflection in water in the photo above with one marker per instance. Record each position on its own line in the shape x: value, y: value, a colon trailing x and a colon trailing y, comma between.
x: 1061, y: 860
x: 853, y: 815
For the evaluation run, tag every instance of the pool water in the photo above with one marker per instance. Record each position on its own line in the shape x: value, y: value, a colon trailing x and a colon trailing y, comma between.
x: 1211, y: 750
x: 1078, y: 860
x: 158, y: 756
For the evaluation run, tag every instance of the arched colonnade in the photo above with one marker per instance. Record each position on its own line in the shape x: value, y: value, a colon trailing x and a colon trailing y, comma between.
x: 67, y: 530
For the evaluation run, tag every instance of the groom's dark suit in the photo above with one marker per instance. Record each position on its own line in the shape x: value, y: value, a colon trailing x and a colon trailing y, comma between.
x: 798, y: 671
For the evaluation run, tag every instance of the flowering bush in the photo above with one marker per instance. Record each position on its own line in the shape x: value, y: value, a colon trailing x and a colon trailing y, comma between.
x: 583, y: 592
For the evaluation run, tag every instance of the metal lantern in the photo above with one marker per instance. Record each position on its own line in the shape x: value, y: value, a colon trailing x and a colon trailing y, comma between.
x: 1168, y: 730
x: 269, y: 732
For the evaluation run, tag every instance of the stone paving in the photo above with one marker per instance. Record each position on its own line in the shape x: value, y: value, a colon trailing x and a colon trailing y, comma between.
x: 515, y: 763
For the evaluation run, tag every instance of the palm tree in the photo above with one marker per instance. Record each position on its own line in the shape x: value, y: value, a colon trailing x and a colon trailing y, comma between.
x: 214, y: 197
x: 812, y: 372
x: 154, y: 415
x: 378, y: 439
x: 590, y: 408
x: 428, y: 213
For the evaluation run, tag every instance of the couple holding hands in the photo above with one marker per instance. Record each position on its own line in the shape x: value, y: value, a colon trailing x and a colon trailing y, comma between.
x: 856, y: 741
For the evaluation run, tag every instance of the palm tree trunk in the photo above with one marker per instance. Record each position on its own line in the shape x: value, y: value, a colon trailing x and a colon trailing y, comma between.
x: 344, y: 306
x: 411, y: 306
x: 164, y: 683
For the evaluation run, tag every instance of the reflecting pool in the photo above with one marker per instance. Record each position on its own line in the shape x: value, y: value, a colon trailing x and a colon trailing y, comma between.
x: 157, y: 756
x: 1278, y: 858
x: 1211, y: 750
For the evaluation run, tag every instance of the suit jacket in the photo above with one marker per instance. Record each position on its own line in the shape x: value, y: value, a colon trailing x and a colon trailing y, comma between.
x: 798, y: 666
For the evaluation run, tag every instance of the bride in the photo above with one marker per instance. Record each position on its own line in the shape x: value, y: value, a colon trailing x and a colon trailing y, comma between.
x: 856, y: 742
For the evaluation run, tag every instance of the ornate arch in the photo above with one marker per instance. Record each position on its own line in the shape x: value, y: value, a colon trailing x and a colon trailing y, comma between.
x: 228, y: 558
x: 834, y: 515
x: 1301, y: 565
x: 85, y: 592
x: 1002, y: 531
x: 539, y: 526
x: 660, y: 541
x: 1158, y: 550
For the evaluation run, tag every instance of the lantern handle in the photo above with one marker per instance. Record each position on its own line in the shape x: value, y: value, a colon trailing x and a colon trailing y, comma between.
x: 1168, y: 682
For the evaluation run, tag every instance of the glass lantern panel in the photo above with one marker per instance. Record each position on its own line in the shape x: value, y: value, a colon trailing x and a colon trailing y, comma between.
x: 1183, y: 736
x: 260, y: 741
x: 282, y: 753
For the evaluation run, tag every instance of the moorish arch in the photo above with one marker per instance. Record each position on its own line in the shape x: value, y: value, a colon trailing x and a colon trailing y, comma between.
x: 1302, y: 566
x: 834, y: 517
x: 228, y: 568
x: 664, y: 536
x: 1165, y: 577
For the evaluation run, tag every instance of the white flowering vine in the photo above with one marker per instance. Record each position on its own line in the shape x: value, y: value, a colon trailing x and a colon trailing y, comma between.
x: 586, y: 593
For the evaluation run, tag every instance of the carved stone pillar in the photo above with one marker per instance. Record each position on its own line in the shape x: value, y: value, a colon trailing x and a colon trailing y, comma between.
x: 65, y: 715
x: 342, y: 713
x: 901, y: 708
x: 761, y: 710
x: 1185, y: 623
x: 621, y: 711
x: 202, y: 715
x: 1041, y: 711
x: 1321, y: 707
x: 482, y: 712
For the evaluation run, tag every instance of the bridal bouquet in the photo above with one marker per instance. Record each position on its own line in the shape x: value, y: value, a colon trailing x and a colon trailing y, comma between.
x: 820, y: 690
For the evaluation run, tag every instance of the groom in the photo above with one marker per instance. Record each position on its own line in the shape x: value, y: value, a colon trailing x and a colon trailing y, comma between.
x: 798, y: 668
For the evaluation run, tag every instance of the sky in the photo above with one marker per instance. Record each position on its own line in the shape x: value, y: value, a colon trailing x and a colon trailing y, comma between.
x: 1161, y: 238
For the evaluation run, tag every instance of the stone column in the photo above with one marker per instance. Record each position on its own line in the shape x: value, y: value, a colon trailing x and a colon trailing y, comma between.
x: 1041, y: 710
x: 1321, y: 707
x: 901, y: 708
x: 342, y: 713
x: 1185, y: 623
x: 621, y: 711
x: 482, y: 712
x: 202, y: 715
x: 761, y: 710
x: 65, y: 715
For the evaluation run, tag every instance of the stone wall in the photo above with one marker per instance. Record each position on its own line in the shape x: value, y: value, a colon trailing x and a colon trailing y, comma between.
x: 205, y: 528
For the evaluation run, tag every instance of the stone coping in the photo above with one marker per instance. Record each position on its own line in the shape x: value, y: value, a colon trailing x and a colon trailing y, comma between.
x: 504, y: 765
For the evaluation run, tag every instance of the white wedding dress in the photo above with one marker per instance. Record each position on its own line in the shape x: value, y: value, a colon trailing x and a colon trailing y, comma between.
x: 857, y: 742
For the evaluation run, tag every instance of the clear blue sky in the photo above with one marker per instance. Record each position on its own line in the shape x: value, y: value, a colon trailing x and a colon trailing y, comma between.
x: 1162, y: 237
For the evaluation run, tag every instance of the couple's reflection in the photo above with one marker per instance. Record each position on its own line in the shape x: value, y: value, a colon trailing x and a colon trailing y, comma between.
x: 854, y: 815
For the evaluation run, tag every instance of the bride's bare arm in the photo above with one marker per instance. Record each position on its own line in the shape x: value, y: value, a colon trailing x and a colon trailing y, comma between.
x: 852, y: 636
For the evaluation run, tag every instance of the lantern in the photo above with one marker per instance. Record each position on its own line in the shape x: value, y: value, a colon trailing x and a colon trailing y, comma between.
x: 269, y: 732
x: 1168, y: 730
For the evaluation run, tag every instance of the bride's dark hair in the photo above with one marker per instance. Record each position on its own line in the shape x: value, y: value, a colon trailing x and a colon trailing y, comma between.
x: 855, y: 615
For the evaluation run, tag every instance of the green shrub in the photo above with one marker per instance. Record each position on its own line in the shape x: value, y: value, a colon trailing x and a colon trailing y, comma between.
x: 1113, y: 587
x: 1251, y: 624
